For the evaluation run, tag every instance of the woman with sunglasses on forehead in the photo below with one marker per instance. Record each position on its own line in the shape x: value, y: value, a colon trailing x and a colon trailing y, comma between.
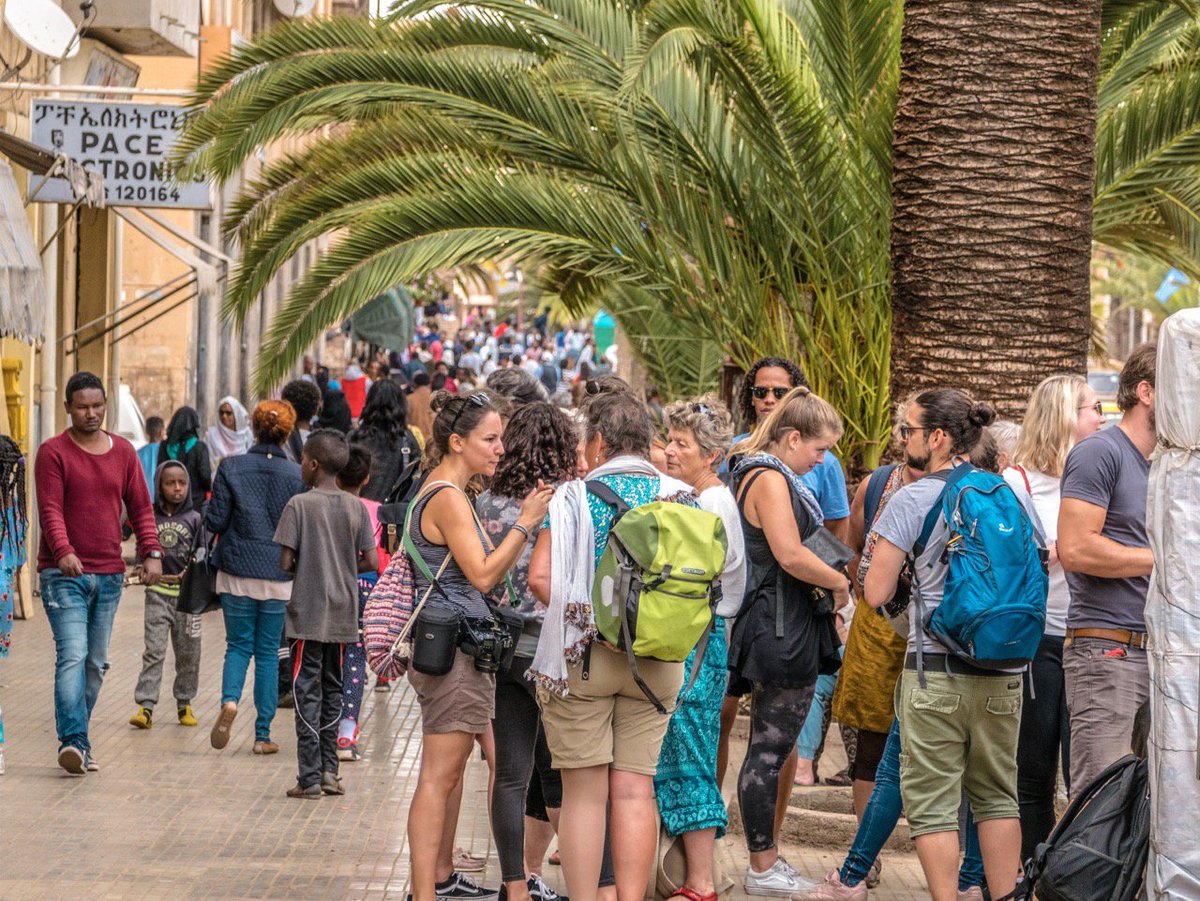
x: 458, y: 706
x: 231, y: 435
x: 689, y: 799
x: 1063, y: 410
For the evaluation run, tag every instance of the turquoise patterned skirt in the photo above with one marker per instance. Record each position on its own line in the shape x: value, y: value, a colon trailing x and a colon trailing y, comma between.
x: 686, y: 782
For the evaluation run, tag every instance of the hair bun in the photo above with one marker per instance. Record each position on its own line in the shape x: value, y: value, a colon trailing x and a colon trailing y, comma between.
x: 440, y: 399
x: 803, y: 390
x: 981, y: 415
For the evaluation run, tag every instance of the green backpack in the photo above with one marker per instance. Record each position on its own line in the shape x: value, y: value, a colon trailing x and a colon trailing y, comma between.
x: 655, y: 593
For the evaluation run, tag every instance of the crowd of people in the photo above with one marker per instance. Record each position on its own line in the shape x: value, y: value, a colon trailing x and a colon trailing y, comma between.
x: 515, y: 459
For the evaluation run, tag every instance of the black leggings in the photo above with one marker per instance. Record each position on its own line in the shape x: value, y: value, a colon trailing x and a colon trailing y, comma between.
x: 520, y: 744
x: 1045, y: 731
x: 776, y: 717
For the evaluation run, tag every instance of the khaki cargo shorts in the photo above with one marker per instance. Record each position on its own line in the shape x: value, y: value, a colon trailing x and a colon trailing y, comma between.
x: 606, y: 719
x: 959, y: 732
x: 463, y: 700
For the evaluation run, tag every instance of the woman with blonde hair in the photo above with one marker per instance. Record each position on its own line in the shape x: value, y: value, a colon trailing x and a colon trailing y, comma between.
x: 1063, y: 410
x: 780, y: 643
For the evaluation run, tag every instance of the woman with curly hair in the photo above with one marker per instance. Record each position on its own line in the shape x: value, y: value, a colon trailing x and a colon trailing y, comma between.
x: 248, y: 498
x: 540, y: 444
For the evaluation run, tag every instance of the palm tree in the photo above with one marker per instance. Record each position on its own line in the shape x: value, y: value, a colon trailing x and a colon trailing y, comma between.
x: 994, y: 176
x: 716, y: 172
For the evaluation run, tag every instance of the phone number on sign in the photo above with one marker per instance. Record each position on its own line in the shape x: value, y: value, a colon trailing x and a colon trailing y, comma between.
x: 144, y: 192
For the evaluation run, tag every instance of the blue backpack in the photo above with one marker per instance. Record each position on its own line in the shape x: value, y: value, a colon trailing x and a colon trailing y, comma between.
x: 993, y: 611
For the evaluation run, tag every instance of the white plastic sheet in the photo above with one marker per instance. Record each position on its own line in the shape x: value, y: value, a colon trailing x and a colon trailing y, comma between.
x: 1173, y: 614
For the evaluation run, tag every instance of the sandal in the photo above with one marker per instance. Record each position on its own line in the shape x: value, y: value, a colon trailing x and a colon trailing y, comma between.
x: 692, y: 895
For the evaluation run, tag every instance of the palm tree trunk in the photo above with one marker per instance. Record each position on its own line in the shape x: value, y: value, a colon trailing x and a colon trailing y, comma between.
x: 992, y: 192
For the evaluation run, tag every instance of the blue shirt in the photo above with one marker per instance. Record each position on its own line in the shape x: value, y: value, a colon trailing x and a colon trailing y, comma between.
x: 826, y: 480
x: 148, y: 457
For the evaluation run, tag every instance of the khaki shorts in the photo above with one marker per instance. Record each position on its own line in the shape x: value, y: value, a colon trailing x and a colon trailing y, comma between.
x: 463, y: 700
x: 959, y: 732
x: 606, y: 719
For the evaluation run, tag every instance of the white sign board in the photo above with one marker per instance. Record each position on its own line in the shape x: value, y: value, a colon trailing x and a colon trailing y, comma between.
x: 126, y: 143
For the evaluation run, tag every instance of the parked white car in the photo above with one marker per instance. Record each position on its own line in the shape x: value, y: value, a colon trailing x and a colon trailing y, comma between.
x: 131, y: 425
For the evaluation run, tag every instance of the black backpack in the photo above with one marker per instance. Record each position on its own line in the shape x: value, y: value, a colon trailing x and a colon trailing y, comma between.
x: 1099, y: 848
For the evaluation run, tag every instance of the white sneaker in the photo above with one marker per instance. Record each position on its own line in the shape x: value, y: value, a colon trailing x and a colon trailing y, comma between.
x: 974, y: 893
x: 780, y: 881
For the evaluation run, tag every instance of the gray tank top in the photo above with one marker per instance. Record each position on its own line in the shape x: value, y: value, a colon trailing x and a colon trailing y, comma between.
x: 459, y: 594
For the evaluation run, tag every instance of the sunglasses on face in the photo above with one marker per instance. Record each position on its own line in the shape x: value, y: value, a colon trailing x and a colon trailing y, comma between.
x: 478, y: 399
x: 226, y: 412
x: 760, y: 392
x: 1097, y: 406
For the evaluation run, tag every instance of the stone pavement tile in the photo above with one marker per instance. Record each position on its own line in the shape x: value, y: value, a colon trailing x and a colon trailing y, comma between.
x: 170, y: 818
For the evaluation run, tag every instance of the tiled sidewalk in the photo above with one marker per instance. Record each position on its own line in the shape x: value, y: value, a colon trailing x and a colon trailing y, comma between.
x: 169, y: 817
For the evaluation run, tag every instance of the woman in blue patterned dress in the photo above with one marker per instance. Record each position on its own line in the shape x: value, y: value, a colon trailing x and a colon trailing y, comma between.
x: 689, y: 799
x: 13, y: 523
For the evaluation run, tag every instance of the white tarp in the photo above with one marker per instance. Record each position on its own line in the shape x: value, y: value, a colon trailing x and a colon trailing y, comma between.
x: 1173, y: 614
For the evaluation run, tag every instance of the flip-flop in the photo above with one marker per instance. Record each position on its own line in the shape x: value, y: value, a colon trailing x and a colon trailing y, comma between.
x: 692, y: 895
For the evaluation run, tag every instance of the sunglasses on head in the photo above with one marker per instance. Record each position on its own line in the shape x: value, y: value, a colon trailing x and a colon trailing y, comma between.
x: 702, y: 409
x: 478, y: 399
x: 760, y: 392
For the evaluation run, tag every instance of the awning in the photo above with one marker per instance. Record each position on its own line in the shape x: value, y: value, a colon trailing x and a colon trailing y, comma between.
x: 22, y: 288
x: 387, y: 321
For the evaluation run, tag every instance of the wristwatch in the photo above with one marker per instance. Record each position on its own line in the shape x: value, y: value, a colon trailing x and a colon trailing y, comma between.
x: 154, y: 555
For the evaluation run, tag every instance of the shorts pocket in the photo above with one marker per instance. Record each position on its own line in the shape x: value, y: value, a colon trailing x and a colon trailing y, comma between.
x: 1003, y: 705
x: 934, y: 701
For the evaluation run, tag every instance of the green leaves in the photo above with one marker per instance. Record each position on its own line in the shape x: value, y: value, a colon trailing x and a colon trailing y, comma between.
x: 716, y: 173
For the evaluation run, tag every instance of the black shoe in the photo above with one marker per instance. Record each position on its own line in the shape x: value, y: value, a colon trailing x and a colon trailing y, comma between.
x: 459, y: 887
x: 287, y: 701
x: 311, y: 793
x: 331, y: 784
x: 539, y: 891
x: 89, y: 762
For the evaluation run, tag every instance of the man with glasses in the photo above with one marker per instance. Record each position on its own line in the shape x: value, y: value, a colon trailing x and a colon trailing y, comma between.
x: 1103, y: 547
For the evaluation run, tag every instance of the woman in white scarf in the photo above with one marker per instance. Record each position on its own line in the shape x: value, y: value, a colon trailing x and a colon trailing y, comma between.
x: 604, y: 734
x: 231, y: 435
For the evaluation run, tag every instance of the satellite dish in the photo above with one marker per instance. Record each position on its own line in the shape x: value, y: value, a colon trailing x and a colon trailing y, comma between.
x: 43, y: 27
x: 294, y: 9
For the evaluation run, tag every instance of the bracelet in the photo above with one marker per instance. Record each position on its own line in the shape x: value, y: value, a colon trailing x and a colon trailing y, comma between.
x: 517, y: 527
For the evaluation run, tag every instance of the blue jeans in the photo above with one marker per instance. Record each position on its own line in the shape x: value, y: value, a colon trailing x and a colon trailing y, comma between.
x: 81, y: 612
x: 880, y: 818
x: 812, y: 733
x: 253, y: 629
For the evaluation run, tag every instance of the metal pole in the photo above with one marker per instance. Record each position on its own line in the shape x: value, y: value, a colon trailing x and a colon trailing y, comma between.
x: 97, y: 90
x: 114, y: 353
x: 48, y: 392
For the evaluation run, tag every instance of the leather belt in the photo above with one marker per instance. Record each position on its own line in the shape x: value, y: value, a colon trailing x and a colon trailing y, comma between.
x: 1120, y: 636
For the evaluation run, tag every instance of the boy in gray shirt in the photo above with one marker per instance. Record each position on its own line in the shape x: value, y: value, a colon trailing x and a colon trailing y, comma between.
x: 326, y: 539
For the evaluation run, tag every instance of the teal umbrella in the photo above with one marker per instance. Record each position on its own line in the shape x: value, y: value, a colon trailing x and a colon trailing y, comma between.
x: 387, y: 321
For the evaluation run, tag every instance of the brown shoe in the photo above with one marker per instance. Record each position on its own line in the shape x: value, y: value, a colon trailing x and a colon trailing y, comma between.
x: 266, y: 747
x: 223, y: 726
x: 312, y: 793
x: 331, y: 784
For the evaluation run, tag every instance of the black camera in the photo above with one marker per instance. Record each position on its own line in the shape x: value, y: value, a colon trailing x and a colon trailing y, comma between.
x: 491, y: 641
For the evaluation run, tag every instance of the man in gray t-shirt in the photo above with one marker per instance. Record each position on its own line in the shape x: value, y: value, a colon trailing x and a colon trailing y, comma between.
x: 1103, y: 547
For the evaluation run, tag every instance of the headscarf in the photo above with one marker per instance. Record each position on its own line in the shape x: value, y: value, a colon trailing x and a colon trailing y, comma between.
x: 182, y: 434
x: 743, y: 464
x: 226, y: 442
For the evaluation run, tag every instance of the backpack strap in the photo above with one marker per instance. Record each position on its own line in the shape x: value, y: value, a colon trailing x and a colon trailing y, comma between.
x: 931, y: 518
x: 608, y: 496
x: 876, y: 485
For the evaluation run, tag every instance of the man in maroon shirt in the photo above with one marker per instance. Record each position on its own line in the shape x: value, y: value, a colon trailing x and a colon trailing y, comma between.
x: 83, y: 476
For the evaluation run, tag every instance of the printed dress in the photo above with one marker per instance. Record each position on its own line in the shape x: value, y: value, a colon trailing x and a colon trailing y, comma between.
x: 12, y: 556
x: 686, y: 781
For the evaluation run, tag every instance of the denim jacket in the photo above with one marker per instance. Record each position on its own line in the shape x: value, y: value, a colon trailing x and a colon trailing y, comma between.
x: 248, y: 497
